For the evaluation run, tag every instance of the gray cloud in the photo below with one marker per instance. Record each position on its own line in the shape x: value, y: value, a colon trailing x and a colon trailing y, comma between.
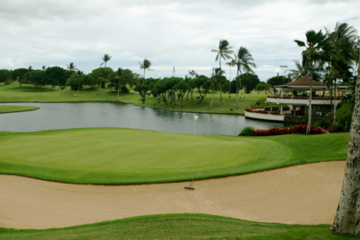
x: 169, y: 33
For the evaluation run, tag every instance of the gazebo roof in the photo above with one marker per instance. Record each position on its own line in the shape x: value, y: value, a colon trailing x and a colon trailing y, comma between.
x: 304, y: 81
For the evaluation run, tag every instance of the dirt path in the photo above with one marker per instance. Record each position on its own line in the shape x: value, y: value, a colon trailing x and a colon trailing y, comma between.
x: 306, y: 194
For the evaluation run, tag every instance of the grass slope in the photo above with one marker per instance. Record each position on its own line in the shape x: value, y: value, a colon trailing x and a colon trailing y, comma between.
x: 179, y: 226
x: 128, y: 156
x: 27, y: 93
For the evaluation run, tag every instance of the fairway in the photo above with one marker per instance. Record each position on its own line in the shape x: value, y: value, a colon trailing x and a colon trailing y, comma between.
x: 125, y: 156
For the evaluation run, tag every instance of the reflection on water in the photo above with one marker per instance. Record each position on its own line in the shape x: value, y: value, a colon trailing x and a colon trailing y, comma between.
x: 121, y: 115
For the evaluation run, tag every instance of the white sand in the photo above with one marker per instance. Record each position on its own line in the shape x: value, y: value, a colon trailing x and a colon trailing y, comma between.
x: 306, y: 194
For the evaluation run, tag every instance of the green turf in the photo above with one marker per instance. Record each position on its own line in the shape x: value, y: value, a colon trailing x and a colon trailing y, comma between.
x: 180, y: 226
x: 10, y: 109
x: 126, y: 156
x: 27, y: 93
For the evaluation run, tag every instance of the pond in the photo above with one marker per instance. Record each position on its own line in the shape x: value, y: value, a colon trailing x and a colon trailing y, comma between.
x: 121, y: 115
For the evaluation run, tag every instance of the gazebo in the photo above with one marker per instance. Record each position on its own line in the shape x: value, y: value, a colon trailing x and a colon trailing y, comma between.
x: 296, y: 96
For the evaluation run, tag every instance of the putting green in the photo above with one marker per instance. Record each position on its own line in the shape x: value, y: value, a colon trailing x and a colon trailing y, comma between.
x: 119, y: 156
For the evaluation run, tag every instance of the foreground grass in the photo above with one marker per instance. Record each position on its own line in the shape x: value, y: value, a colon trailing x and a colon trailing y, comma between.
x: 27, y: 93
x: 10, y: 109
x: 180, y: 226
x: 128, y: 156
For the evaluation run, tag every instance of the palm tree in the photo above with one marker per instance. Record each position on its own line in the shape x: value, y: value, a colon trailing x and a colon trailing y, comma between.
x: 71, y: 67
x: 215, y: 80
x: 303, y: 71
x: 346, y: 221
x: 146, y: 64
x: 340, y: 54
x: 230, y: 64
x: 244, y: 63
x: 313, y: 53
x: 106, y: 58
x: 223, y: 52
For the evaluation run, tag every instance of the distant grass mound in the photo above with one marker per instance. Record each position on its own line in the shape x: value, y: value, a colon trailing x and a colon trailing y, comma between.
x: 179, y: 226
x: 128, y: 156
x: 9, y: 109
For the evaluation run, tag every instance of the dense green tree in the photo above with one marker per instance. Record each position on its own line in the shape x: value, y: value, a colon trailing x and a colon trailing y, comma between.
x: 143, y: 90
x: 121, y: 79
x: 4, y: 75
x: 313, y: 53
x: 202, y: 83
x: 277, y: 80
x: 181, y: 88
x: 249, y: 81
x: 18, y: 75
x: 76, y: 81
x: 244, y: 63
x: 262, y: 86
x: 91, y: 80
x: 104, y: 74
x: 56, y: 76
x: 36, y: 77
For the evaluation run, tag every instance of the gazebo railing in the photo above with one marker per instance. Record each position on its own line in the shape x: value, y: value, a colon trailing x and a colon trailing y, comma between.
x: 305, y: 97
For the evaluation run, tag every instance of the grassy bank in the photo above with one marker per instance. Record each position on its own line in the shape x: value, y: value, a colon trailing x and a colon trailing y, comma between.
x: 10, y: 109
x: 123, y: 156
x: 27, y: 93
x: 179, y: 226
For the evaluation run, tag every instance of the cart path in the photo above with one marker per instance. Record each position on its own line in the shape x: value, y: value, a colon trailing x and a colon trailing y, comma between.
x: 305, y: 194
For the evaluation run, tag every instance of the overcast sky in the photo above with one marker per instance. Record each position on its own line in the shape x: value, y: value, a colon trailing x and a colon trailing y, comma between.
x: 179, y: 33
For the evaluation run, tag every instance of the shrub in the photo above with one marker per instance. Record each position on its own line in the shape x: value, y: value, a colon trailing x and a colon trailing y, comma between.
x: 324, y: 123
x: 298, y: 129
x: 247, y: 131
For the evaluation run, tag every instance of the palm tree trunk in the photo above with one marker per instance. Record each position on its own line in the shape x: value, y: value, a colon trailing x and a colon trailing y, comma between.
x: 308, y: 128
x: 212, y: 97
x: 220, y: 87
x: 334, y: 117
x: 237, y: 90
x: 347, y: 218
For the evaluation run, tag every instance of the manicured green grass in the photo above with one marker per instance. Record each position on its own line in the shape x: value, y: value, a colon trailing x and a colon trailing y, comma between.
x: 180, y: 226
x: 27, y: 93
x: 10, y: 109
x: 126, y: 156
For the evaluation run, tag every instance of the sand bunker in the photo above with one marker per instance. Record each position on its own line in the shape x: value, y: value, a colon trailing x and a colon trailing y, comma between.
x: 306, y: 194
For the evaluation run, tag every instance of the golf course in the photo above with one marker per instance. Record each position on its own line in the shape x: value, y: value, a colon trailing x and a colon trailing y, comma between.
x: 118, y: 183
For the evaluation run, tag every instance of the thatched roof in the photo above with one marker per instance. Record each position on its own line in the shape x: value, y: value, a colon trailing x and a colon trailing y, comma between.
x: 304, y: 81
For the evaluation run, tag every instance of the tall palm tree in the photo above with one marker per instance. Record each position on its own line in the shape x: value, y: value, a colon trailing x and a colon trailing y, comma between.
x: 346, y: 221
x: 303, y: 71
x: 223, y: 51
x: 106, y: 58
x: 215, y: 80
x: 313, y: 53
x: 244, y: 64
x: 340, y: 54
x: 232, y: 63
x: 71, y: 67
x: 146, y: 64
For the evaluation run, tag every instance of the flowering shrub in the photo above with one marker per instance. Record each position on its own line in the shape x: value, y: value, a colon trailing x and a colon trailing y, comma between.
x: 298, y: 129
